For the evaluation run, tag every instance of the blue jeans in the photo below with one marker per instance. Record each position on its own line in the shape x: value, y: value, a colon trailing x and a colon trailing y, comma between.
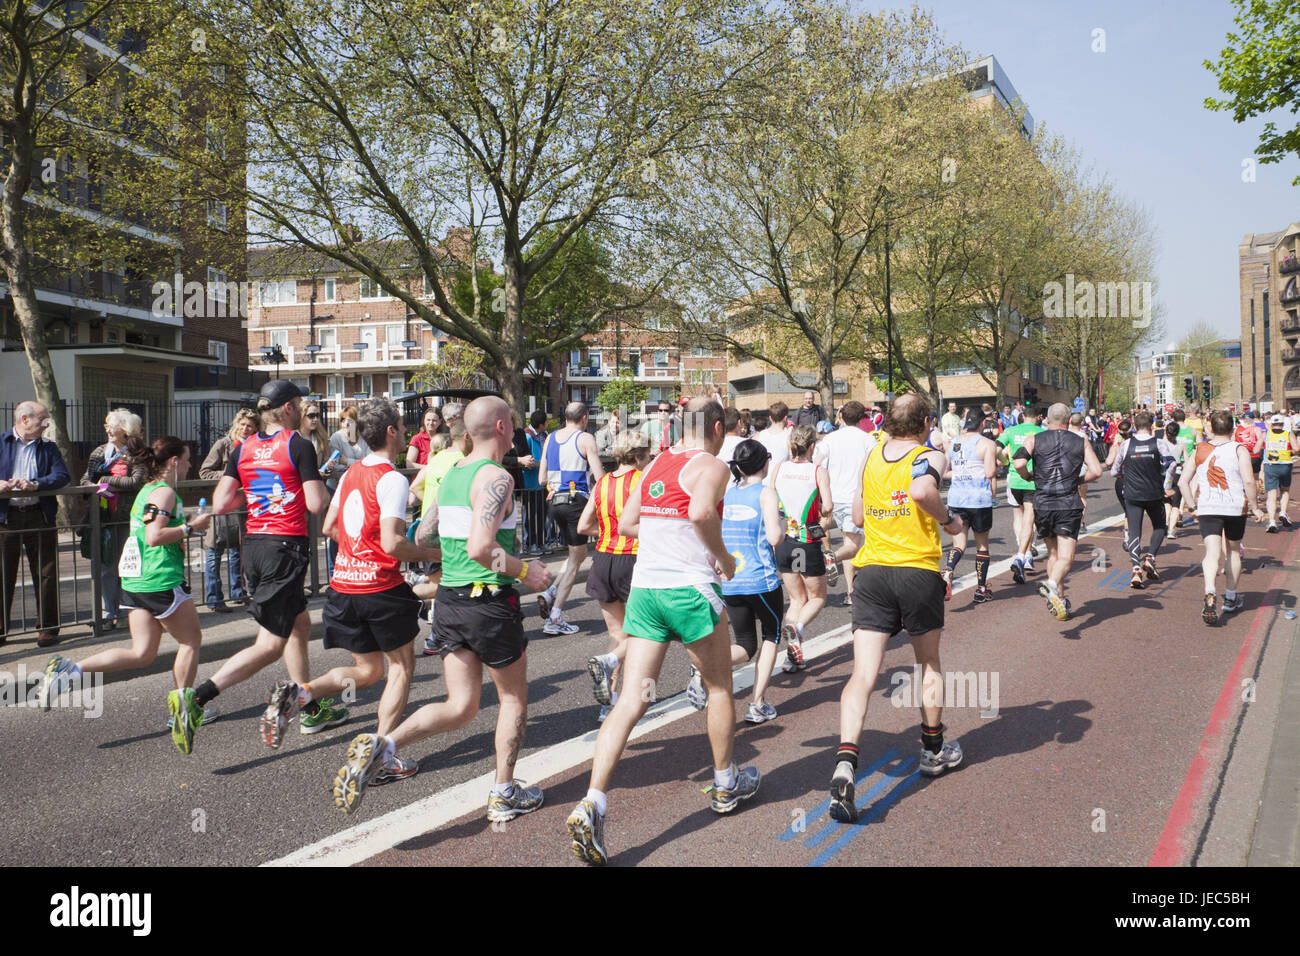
x: 212, y: 576
x: 110, y: 592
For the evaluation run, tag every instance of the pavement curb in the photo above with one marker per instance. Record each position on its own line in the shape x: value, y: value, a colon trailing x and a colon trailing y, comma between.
x: 1276, y: 840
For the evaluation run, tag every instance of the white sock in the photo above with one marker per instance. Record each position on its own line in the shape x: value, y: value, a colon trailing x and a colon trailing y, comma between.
x: 798, y: 629
x: 598, y: 798
x: 304, y: 695
x: 1230, y: 595
x: 725, y: 779
x: 843, y: 770
x: 390, y: 750
x: 608, y: 661
x: 504, y: 789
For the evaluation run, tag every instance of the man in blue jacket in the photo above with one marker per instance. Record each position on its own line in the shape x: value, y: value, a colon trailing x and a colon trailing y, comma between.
x: 30, y: 463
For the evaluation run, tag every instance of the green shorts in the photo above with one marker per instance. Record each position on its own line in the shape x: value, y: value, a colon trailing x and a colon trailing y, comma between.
x: 685, y: 614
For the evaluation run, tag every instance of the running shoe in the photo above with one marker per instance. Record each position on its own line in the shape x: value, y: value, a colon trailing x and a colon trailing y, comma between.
x: 587, y: 827
x: 946, y: 574
x: 696, y: 693
x: 1138, y: 581
x: 1034, y: 552
x: 1208, y: 613
x: 1055, y: 603
x: 414, y: 578
x: 1286, y: 522
x: 599, y: 680
x: 1029, y: 561
x: 1018, y: 569
x: 326, y: 717
x: 55, y: 680
x: 187, y: 716
x: 433, y: 605
x: 1272, y: 528
x: 759, y: 713
x: 842, y: 806
x: 793, y: 649
x: 361, y: 769
x: 560, y: 626
x: 430, y: 646
x: 544, y: 601
x: 724, y: 801
x: 521, y: 800
x: 1233, y: 604
x: 933, y: 764
x: 210, y: 713
x: 281, y: 707
x: 832, y: 569
x: 1149, y: 567
x: 396, y: 768
x: 983, y: 595
x: 848, y: 600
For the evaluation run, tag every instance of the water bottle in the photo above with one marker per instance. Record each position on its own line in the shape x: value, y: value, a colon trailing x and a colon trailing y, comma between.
x: 334, y: 456
x: 203, y: 507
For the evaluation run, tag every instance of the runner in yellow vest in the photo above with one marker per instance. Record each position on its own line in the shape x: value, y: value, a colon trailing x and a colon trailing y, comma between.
x: 1280, y: 445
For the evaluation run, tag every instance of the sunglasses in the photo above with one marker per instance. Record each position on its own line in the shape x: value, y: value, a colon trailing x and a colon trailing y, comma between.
x: 313, y: 414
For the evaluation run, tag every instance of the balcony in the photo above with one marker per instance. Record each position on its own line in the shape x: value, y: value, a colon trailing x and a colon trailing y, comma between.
x: 1290, y: 325
x: 1289, y: 265
x: 602, y: 373
x: 1289, y: 356
x: 1290, y: 294
x: 341, y: 358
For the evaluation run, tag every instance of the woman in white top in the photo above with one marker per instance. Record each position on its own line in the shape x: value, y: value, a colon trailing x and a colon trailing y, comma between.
x: 804, y: 491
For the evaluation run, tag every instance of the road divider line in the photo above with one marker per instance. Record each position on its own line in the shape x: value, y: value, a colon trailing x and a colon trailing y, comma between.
x: 369, y: 838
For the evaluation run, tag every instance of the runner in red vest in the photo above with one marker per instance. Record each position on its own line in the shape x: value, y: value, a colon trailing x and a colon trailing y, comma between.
x: 277, y: 471
x: 370, y: 609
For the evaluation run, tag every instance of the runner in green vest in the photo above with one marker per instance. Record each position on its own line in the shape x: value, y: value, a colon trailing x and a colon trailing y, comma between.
x: 1020, y: 493
x: 478, y: 621
x: 425, y: 584
x: 152, y: 569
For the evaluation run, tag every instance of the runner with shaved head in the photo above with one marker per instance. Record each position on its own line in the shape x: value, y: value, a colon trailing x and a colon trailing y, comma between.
x: 477, y: 621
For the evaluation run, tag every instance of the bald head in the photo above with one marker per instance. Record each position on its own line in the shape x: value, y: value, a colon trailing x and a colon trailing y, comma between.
x: 1058, y: 416
x: 908, y: 417
x: 488, y: 417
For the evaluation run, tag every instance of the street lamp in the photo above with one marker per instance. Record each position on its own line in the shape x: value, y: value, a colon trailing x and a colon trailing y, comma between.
x: 272, y: 353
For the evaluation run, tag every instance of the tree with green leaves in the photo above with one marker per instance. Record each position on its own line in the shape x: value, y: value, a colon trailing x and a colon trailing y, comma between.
x: 623, y: 391
x: 1259, y: 73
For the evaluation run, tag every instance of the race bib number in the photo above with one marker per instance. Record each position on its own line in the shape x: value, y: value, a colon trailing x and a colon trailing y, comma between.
x: 130, y: 565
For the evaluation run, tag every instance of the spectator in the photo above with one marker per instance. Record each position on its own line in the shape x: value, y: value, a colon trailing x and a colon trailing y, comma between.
x: 809, y: 414
x: 662, y: 431
x: 418, y: 451
x: 225, y: 533
x: 605, y: 437
x: 112, y: 464
x: 1006, y: 419
x: 30, y: 463
x: 534, y: 498
x: 951, y: 424
x: 311, y: 428
x: 351, y: 448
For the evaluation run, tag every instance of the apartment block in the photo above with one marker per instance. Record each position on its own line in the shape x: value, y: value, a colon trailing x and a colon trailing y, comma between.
x: 1269, y: 268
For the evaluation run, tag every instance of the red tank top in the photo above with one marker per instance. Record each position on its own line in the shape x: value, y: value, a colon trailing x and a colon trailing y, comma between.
x: 662, y: 494
x: 1248, y: 435
x: 272, y: 486
x: 362, y: 565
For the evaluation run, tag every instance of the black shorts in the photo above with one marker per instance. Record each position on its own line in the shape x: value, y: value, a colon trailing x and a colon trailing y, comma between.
x: 897, y: 599
x: 161, y: 604
x: 1058, y: 524
x: 1154, y: 511
x: 1256, y: 464
x: 365, y: 623
x: 566, y: 517
x: 978, y: 520
x: 748, y: 611
x: 490, y: 625
x: 1234, y: 527
x: 610, y: 579
x: 275, y: 568
x: 1021, y: 495
x: 800, y: 557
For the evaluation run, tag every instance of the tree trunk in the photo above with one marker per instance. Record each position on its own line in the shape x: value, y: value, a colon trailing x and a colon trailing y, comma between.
x: 510, y: 369
x: 826, y: 386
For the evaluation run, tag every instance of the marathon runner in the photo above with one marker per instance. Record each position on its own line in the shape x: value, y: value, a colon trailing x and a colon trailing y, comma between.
x: 152, y: 569
x: 1176, y: 455
x: 751, y: 528
x: 1123, y: 432
x: 1278, y: 445
x: 974, y: 464
x: 804, y: 491
x: 1248, y: 433
x: 569, y: 464
x: 478, y: 622
x: 278, y: 471
x: 677, y: 516
x: 1020, y: 492
x: 370, y: 610
x: 425, y: 585
x: 610, y: 577
x: 1054, y: 456
x: 1220, y: 485
x: 843, y: 453
x: 898, y: 587
x: 1139, y: 458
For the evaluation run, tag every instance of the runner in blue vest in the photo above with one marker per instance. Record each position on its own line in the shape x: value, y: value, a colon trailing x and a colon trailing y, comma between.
x: 974, y: 465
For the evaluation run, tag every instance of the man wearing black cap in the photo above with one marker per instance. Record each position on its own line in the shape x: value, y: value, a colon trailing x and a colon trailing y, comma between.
x: 277, y: 471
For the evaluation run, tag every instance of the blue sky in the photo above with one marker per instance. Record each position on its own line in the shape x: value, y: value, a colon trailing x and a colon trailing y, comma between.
x: 1135, y: 112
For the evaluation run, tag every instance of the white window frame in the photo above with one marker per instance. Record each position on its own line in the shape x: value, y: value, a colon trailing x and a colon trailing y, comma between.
x: 217, y: 214
x: 278, y: 292
x: 219, y: 350
x: 664, y: 353
x: 393, y: 345
x: 698, y: 352
x: 334, y: 384
x: 278, y: 337
x: 214, y: 141
x: 331, y: 334
x: 378, y: 290
x: 367, y: 385
x: 400, y: 379
x: 217, y: 280
x: 331, y: 289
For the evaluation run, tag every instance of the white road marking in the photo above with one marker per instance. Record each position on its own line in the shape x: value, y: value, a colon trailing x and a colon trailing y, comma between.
x: 367, y: 839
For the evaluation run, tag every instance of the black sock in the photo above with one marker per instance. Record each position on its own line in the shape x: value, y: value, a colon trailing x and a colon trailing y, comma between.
x: 932, y: 738
x: 953, y: 557
x: 847, y: 752
x: 205, y: 692
x: 982, y: 567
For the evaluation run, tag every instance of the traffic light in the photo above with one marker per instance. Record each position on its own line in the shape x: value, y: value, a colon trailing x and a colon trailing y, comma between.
x: 1205, y: 387
x: 1031, y: 395
x: 1189, y: 387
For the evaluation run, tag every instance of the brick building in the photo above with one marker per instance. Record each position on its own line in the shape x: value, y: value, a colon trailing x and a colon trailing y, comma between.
x: 1269, y: 268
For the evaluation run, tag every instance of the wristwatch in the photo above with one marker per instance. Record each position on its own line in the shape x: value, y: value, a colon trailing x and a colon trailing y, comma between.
x: 947, y: 518
x: 185, y: 526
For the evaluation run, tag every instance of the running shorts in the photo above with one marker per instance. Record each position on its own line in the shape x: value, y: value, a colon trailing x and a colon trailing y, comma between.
x: 365, y: 623
x: 1020, y: 496
x: 1277, y: 476
x: 1233, y: 526
x: 800, y: 557
x: 610, y: 579
x: 490, y: 625
x: 275, y: 568
x: 161, y: 604
x: 1058, y: 524
x: 566, y: 517
x: 748, y: 611
x: 844, y: 519
x: 683, y: 614
x: 897, y: 599
x: 978, y: 520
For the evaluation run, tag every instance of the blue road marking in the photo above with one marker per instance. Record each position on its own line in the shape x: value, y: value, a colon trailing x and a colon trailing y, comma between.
x: 825, y: 805
x: 1106, y: 581
x: 834, y: 826
x: 852, y: 830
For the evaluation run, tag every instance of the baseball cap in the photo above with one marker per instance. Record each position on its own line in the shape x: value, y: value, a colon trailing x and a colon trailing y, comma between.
x: 1277, y: 420
x: 278, y: 391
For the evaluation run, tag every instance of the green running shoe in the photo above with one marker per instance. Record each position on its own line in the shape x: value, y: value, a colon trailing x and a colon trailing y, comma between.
x: 327, y: 716
x: 187, y: 716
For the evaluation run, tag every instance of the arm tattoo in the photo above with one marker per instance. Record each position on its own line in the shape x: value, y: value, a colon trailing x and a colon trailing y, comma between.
x: 497, y: 497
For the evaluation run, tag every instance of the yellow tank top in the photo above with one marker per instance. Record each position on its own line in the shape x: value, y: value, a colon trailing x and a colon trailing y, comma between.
x: 896, y: 533
x: 1277, y: 448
